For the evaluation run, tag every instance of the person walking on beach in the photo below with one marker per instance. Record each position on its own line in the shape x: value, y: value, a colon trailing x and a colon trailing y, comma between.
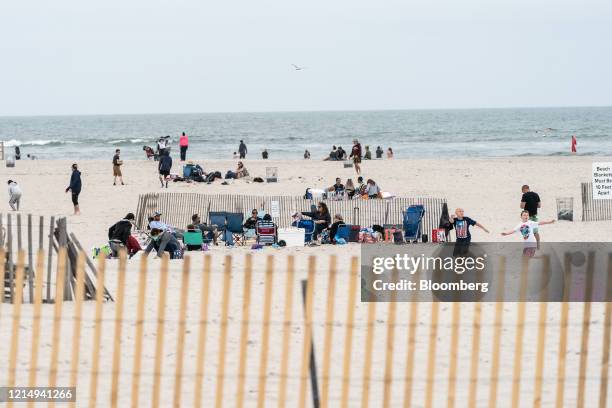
x: 117, y: 163
x: 574, y: 144
x: 75, y: 188
x: 356, y: 155
x: 529, y: 231
x: 165, y: 165
x: 14, y: 195
x: 462, y: 225
x: 242, y: 149
x: 183, y: 145
x: 530, y: 202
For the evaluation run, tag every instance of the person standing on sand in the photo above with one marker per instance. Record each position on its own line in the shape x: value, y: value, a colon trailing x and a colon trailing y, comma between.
x: 242, y: 149
x: 183, y: 145
x: 528, y: 229
x: 356, y: 155
x: 306, y: 154
x: 389, y: 153
x: 462, y: 225
x: 117, y: 163
x: 75, y: 188
x: 574, y: 144
x: 165, y: 165
x: 379, y: 152
x: 264, y: 154
x: 530, y: 202
x: 14, y: 194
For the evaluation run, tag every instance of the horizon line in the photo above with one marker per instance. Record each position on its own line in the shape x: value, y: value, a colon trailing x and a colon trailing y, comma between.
x: 306, y: 111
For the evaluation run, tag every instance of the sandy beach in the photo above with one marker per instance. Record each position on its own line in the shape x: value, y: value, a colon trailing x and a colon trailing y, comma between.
x: 488, y: 190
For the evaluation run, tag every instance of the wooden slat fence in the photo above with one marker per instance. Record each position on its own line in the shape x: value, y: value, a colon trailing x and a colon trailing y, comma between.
x: 177, y: 208
x: 216, y: 341
x: 594, y: 210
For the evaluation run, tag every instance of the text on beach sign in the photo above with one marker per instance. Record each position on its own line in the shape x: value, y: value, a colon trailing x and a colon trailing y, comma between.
x: 602, y: 180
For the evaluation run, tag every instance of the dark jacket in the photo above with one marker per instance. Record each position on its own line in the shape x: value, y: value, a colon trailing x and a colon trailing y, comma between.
x: 316, y: 216
x: 165, y: 163
x: 75, y: 182
x: 120, y: 231
x: 242, y: 148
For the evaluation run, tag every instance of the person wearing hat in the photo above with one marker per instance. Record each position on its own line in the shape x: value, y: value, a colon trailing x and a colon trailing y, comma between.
x: 155, y: 222
x: 14, y: 194
x: 119, y: 234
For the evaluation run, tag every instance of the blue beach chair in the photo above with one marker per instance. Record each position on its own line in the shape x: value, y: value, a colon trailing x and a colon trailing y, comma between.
x: 413, y: 218
x: 309, y: 228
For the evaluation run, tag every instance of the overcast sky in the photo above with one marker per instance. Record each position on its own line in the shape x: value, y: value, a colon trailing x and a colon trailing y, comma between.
x: 85, y: 57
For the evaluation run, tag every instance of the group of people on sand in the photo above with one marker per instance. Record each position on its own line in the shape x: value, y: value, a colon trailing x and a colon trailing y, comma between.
x: 368, y: 189
x: 528, y: 228
x: 339, y: 154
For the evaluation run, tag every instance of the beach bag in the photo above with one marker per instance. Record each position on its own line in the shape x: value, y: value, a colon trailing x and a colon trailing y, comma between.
x: 438, y: 235
x: 398, y: 237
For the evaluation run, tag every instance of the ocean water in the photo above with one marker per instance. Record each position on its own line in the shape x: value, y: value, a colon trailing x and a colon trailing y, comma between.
x: 411, y: 133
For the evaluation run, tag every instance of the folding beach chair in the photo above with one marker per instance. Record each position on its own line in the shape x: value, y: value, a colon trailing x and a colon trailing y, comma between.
x: 218, y: 218
x: 234, y: 226
x: 413, y: 218
x: 266, y: 232
x: 309, y: 227
x: 193, y: 240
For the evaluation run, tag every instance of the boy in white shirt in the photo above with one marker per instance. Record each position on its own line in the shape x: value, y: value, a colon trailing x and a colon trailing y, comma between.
x: 527, y: 228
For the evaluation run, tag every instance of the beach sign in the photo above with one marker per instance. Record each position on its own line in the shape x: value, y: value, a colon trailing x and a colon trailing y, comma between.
x: 602, y: 180
x: 274, y: 209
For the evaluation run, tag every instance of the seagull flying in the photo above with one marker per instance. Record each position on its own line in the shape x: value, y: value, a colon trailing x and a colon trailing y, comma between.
x: 297, y: 68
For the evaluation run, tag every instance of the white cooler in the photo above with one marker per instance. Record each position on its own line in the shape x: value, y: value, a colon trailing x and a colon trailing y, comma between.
x: 292, y: 236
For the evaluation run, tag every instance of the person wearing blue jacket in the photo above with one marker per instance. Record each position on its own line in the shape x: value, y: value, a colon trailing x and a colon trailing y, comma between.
x: 75, y: 188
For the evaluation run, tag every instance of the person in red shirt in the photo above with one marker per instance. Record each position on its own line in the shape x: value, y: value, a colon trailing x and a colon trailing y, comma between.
x: 574, y: 143
x: 183, y: 144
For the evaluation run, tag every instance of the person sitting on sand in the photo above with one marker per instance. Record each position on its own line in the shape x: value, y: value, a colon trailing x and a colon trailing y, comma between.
x: 241, y: 171
x: 528, y: 228
x: 306, y: 154
x: 368, y: 154
x: 350, y: 188
x: 337, y: 188
x: 389, y: 153
x: 379, y: 152
x: 361, y: 187
x: 163, y: 241
x: 342, y: 155
x: 321, y: 218
x: 209, y: 232
x: 462, y: 225
x: 333, y: 155
x: 372, y: 189
x: 252, y: 221
x: 333, y: 229
x: 264, y: 154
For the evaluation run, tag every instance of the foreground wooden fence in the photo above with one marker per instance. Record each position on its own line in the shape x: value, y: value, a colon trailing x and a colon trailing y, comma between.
x: 237, y: 333
x: 177, y: 208
x: 594, y: 210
